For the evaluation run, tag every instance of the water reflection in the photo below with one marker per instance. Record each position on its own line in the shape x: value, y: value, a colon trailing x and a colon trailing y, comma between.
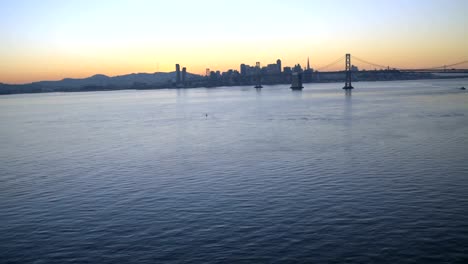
x: 297, y: 94
x: 348, y: 123
x: 348, y: 108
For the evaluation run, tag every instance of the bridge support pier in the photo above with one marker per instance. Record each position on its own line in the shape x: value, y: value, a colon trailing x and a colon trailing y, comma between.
x: 296, y: 81
x: 348, y: 85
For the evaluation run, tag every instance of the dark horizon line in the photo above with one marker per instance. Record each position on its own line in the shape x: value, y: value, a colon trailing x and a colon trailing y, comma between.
x: 112, y: 76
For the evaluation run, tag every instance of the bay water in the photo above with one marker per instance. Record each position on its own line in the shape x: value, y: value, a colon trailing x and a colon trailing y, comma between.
x: 237, y: 175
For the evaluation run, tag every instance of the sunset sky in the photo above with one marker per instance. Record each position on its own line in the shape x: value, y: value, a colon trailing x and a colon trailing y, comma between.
x: 51, y: 40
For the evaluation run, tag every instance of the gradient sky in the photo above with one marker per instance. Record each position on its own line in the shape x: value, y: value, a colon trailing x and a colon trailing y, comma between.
x: 54, y: 39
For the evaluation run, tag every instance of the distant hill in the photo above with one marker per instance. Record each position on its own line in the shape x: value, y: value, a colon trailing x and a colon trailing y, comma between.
x: 99, y: 82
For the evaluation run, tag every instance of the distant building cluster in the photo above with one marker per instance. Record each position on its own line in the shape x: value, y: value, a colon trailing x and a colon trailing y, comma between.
x: 273, y: 73
x: 247, y: 70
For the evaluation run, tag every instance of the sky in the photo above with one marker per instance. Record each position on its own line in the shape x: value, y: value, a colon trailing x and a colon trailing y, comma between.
x: 56, y: 39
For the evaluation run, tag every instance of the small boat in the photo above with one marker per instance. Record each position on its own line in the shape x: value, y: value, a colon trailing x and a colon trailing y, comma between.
x: 462, y: 88
x: 258, y: 86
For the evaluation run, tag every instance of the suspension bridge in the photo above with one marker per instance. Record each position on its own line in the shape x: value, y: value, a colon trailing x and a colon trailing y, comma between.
x: 349, y: 68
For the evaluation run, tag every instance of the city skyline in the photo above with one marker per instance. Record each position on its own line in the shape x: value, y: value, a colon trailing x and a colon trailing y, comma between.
x: 52, y: 40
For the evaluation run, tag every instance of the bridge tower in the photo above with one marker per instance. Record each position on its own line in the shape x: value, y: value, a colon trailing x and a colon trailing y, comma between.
x: 348, y: 85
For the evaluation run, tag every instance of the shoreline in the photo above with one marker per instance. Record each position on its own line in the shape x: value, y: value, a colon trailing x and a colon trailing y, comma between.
x: 213, y: 87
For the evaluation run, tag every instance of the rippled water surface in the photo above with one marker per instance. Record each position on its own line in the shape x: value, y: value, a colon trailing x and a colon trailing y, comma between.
x: 231, y: 175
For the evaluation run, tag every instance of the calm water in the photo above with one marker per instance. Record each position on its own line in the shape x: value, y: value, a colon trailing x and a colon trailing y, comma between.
x: 270, y: 176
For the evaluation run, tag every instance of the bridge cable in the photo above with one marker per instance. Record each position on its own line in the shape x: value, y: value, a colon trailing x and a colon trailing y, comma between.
x: 404, y: 69
x: 331, y: 64
x: 370, y: 63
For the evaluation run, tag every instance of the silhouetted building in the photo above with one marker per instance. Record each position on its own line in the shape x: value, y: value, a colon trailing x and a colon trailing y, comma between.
x: 243, y: 69
x: 184, y: 75
x: 308, y: 64
x: 297, y: 68
x: 278, y: 63
x: 272, y: 69
x: 177, y: 67
x: 258, y: 76
x: 251, y: 70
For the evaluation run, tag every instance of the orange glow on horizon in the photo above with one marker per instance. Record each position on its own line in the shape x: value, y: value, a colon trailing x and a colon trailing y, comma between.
x: 57, y: 71
x: 30, y: 77
x: 221, y: 55
x: 55, y: 39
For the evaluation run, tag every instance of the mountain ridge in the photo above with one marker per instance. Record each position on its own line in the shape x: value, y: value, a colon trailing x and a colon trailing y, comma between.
x: 99, y: 82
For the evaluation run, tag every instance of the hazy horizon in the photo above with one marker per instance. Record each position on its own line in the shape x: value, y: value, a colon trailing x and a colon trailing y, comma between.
x: 52, y: 40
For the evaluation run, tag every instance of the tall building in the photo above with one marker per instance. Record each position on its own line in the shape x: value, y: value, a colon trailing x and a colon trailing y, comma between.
x: 308, y: 64
x: 184, y: 74
x: 297, y: 68
x: 177, y: 68
x: 243, y: 69
x: 272, y: 68
x: 278, y: 62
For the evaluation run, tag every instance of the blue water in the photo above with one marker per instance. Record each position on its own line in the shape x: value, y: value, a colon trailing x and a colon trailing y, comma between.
x: 235, y: 175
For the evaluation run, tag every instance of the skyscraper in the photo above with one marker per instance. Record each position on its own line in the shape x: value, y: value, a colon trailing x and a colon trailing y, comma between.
x: 278, y: 62
x: 184, y: 75
x: 177, y: 67
x: 308, y: 64
x: 243, y: 69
